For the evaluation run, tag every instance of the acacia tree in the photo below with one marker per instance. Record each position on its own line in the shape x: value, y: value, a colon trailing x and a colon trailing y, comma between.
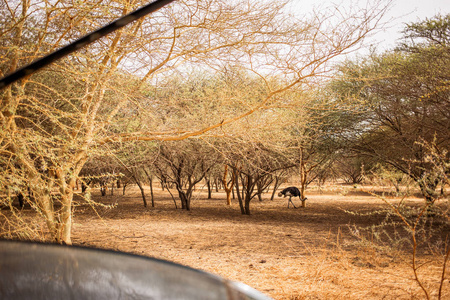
x: 312, y: 155
x: 403, y: 102
x: 51, y: 121
x: 134, y: 159
x: 352, y: 168
x: 253, y: 173
x: 253, y: 159
x: 185, y: 164
x: 100, y: 170
x: 304, y: 136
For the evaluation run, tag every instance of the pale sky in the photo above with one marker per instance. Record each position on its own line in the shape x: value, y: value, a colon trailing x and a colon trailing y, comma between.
x: 402, y: 11
x: 408, y: 11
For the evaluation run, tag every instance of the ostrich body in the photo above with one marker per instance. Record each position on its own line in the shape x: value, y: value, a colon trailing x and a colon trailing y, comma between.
x: 291, y: 192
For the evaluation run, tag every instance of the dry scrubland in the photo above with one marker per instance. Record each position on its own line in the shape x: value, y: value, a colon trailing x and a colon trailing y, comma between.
x: 304, y: 253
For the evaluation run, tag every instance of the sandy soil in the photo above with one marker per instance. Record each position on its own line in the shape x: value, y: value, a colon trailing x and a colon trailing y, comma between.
x: 304, y: 253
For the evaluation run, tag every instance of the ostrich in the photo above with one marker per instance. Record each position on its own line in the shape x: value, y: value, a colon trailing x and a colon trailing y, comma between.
x: 291, y: 192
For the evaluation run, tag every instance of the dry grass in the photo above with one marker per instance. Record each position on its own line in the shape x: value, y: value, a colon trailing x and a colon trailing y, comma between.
x: 286, y: 253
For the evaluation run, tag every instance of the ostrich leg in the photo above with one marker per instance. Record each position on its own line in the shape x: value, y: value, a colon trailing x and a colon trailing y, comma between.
x: 290, y: 201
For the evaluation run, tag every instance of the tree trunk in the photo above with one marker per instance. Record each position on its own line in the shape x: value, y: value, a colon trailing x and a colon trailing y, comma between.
x: 275, y: 187
x: 260, y: 190
x: 189, y: 197
x: 303, y: 177
x: 247, y: 205
x: 216, y: 182
x: 138, y: 182
x: 248, y: 193
x: 208, y: 184
x: 239, y: 196
x: 163, y: 184
x: 142, y: 193
x: 185, y: 196
x: 428, y: 188
x: 228, y: 192
x: 151, y: 191
x: 65, y: 222
x: 103, y: 189
x: 150, y: 180
x: 64, y: 231
x: 46, y: 206
x: 124, y: 186
x: 171, y: 195
x: 246, y: 196
x: 228, y: 186
x: 183, y: 199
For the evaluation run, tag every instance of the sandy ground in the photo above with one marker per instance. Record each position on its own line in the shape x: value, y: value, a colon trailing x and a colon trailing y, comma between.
x: 304, y: 253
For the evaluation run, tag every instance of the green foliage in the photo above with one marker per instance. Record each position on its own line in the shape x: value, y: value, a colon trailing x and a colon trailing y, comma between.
x: 402, y: 99
x: 433, y: 32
